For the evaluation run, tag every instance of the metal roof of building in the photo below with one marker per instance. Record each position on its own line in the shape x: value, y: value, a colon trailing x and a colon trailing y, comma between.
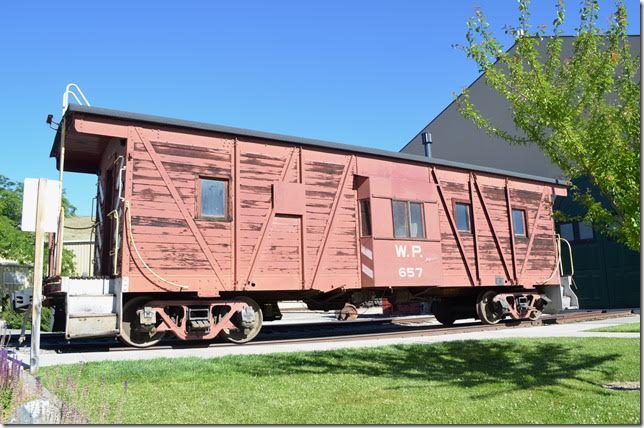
x: 136, y: 117
x: 9, y: 262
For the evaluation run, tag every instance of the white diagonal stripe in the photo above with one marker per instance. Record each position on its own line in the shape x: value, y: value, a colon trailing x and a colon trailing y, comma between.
x: 367, y: 252
x: 367, y: 271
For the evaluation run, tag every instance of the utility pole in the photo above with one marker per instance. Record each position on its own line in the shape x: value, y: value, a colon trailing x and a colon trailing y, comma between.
x: 40, y: 209
x: 36, y: 302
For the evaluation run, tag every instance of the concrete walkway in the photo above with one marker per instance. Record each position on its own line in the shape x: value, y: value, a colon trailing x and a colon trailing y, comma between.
x: 563, y: 330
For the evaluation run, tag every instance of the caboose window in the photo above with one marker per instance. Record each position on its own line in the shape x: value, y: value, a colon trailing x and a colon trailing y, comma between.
x: 213, y: 198
x: 365, y: 217
x: 416, y: 226
x: 401, y: 223
x: 463, y: 219
x: 518, y: 222
x: 408, y: 220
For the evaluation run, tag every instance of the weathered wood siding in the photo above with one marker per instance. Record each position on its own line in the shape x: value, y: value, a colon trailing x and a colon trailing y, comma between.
x: 260, y: 249
x: 293, y: 220
x: 492, y: 253
x: 169, y: 234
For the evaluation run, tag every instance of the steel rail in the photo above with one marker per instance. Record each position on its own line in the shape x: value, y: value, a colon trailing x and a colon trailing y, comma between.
x: 331, y: 332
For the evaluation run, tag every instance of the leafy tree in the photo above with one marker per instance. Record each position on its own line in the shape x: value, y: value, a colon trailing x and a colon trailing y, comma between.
x: 582, y: 111
x: 14, y: 243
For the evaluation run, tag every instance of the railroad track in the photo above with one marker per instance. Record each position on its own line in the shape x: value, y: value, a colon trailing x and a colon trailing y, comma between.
x: 437, y: 329
x: 270, y: 333
x: 325, y: 332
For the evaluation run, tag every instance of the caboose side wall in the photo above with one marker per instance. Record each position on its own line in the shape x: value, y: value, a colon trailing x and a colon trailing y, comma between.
x: 275, y: 239
x: 176, y: 243
x: 492, y: 254
x: 262, y: 249
x: 489, y: 255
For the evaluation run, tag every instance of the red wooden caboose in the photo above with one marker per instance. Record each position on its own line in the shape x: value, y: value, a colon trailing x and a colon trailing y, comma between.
x: 202, y: 229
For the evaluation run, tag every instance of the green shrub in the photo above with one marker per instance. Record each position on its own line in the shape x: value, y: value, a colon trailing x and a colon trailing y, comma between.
x: 14, y: 319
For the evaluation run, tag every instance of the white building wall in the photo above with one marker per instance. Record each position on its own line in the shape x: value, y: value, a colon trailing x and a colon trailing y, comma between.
x: 83, y: 256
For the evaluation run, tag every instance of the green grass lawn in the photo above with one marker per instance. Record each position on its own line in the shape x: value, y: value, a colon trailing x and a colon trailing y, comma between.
x: 518, y: 381
x: 621, y: 328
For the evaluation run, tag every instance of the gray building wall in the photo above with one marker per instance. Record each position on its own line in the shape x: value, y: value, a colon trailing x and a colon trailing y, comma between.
x: 456, y: 138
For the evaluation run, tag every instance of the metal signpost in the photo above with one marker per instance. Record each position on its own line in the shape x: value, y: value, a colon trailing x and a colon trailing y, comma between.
x: 40, y: 211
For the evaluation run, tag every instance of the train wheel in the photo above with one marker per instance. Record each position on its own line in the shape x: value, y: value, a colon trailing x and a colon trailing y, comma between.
x: 443, y: 313
x: 245, y: 331
x: 130, y: 321
x: 534, y: 315
x: 485, y: 308
x: 348, y: 313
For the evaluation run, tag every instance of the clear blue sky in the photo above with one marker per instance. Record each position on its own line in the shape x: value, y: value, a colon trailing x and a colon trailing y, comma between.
x: 369, y: 73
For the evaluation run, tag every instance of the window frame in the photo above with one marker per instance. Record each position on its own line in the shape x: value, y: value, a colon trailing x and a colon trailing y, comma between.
x: 408, y: 219
x: 524, y: 213
x: 422, y: 218
x: 470, y: 221
x: 393, y: 219
x: 578, y: 233
x: 227, y: 198
x: 360, y: 217
x: 572, y: 226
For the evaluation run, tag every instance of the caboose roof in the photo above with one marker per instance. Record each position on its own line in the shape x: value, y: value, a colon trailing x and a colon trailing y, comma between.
x: 187, y: 124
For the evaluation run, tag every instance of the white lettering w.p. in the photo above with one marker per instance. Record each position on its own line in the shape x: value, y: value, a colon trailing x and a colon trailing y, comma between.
x: 401, y: 250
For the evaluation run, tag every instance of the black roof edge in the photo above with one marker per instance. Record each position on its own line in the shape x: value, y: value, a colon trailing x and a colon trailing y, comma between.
x: 97, y: 111
x: 54, y: 146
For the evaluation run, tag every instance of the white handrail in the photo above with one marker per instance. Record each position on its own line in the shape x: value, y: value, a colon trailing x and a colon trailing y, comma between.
x: 572, y: 265
x: 68, y: 92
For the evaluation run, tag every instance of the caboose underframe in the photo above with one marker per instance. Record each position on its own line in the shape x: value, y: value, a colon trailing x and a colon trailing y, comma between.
x: 205, y: 228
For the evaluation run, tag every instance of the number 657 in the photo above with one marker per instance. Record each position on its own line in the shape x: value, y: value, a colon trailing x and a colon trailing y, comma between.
x: 410, y: 272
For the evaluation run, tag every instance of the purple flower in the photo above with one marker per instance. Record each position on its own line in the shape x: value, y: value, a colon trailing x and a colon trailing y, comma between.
x: 10, y: 370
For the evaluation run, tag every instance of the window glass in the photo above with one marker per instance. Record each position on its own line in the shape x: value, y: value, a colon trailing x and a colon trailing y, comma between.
x: 585, y: 231
x: 518, y: 222
x: 213, y: 198
x: 566, y: 231
x: 416, y: 226
x: 401, y: 224
x: 463, y: 217
x: 365, y: 217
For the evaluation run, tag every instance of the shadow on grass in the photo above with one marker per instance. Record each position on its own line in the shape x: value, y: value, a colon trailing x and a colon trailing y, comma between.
x: 512, y: 366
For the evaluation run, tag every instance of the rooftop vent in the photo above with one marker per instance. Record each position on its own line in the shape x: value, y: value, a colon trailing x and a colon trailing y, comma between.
x: 427, y: 143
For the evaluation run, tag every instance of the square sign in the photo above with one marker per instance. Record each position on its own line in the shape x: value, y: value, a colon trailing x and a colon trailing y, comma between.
x: 51, y: 208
